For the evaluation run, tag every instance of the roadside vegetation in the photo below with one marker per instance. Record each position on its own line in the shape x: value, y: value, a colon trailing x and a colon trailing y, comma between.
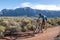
x: 22, y: 24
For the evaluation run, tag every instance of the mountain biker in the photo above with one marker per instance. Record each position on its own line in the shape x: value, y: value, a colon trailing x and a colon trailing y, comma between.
x: 44, y: 20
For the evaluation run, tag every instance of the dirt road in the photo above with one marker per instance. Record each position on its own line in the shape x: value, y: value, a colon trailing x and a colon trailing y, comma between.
x: 49, y: 34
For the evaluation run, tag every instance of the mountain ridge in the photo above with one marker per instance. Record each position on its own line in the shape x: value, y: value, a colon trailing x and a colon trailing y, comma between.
x: 29, y: 12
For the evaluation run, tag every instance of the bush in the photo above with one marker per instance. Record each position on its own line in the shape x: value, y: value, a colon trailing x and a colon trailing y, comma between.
x: 2, y: 30
x: 58, y: 22
x: 11, y: 30
x: 48, y: 25
x: 25, y: 23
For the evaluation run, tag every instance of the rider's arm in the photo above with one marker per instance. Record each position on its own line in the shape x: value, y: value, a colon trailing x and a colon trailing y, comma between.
x: 46, y: 18
x: 38, y: 19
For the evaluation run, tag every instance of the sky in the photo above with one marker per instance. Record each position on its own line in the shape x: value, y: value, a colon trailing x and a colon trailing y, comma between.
x: 35, y: 4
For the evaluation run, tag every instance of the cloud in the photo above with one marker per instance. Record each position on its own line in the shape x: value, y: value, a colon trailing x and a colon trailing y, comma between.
x: 40, y: 6
x: 46, y: 7
x: 26, y: 4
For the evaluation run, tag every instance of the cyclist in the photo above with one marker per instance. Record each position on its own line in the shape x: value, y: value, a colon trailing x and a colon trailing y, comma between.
x: 44, y: 20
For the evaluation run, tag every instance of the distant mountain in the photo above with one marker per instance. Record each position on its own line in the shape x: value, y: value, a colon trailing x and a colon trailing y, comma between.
x: 27, y: 11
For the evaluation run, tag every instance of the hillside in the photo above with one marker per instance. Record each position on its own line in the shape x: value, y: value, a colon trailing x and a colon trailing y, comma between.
x: 26, y: 11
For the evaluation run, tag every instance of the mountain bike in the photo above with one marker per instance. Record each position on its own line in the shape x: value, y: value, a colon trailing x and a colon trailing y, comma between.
x: 39, y: 26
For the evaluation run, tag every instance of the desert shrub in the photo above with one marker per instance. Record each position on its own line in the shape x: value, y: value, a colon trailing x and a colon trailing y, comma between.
x: 1, y: 22
x: 33, y: 28
x: 12, y: 22
x: 49, y: 21
x: 54, y: 21
x: 2, y: 30
x: 25, y: 23
x: 24, y: 28
x: 58, y: 22
x: 11, y: 30
x: 48, y: 25
x: 29, y: 25
x: 17, y: 19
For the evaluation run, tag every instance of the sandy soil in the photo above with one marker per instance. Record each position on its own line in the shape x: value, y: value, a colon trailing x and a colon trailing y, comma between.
x: 49, y: 34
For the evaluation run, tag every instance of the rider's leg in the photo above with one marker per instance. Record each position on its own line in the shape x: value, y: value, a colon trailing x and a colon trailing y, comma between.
x: 41, y: 28
x: 44, y: 25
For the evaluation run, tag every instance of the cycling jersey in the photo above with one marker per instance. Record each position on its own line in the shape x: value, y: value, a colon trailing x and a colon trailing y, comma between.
x: 43, y: 17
